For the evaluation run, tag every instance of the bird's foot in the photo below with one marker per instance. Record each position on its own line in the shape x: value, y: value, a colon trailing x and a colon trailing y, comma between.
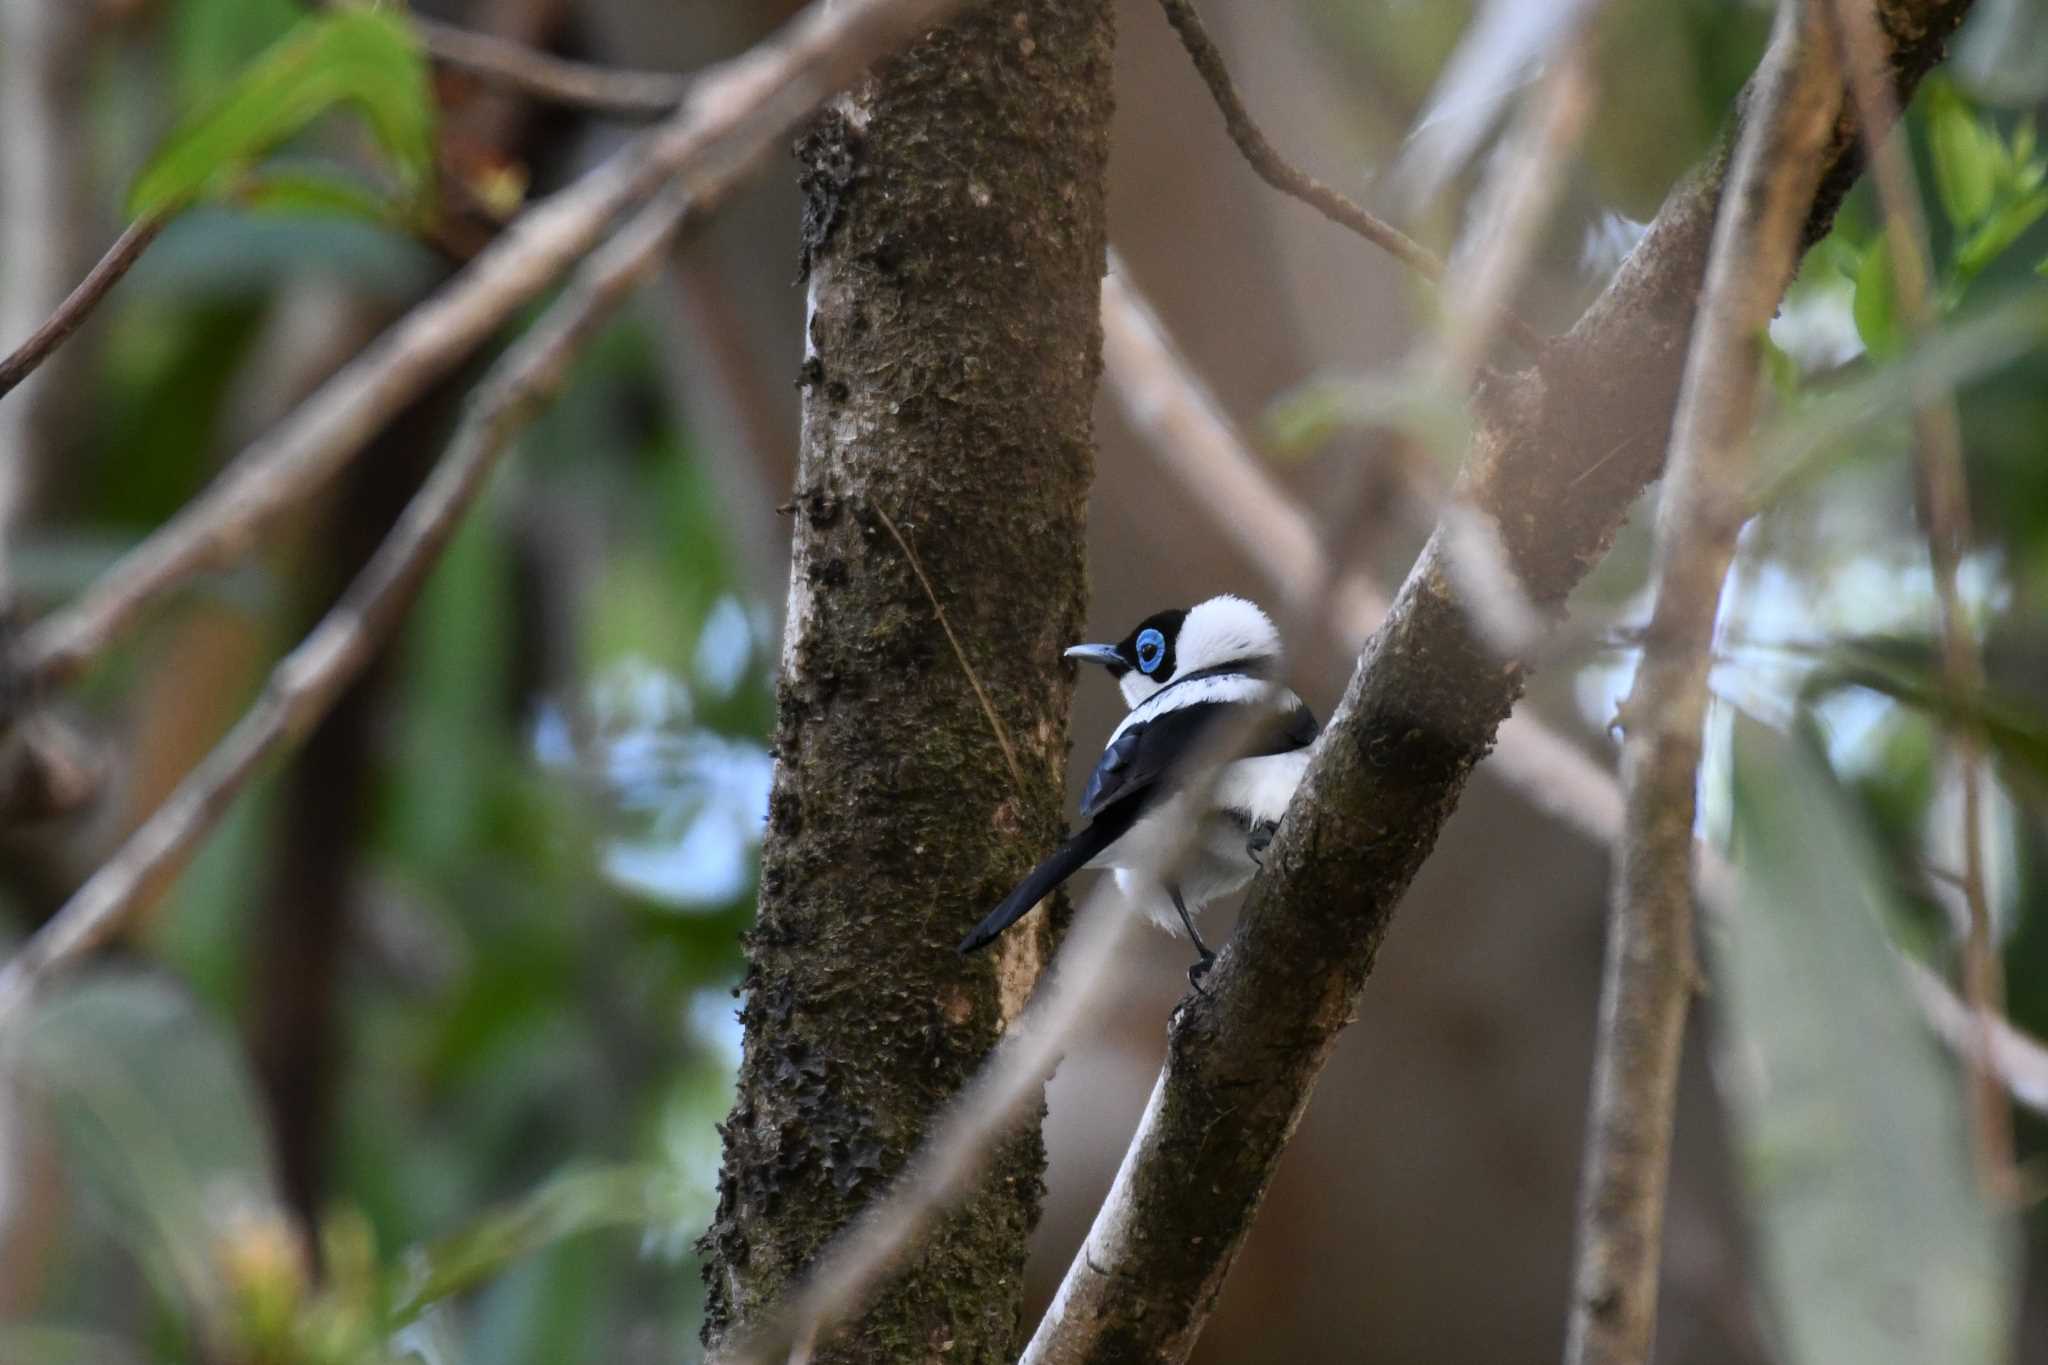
x: 1255, y: 844
x: 1198, y: 969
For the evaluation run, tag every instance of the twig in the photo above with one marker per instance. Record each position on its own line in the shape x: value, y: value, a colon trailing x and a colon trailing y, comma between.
x: 1650, y: 969
x: 1291, y: 180
x: 1945, y: 508
x: 80, y: 302
x: 734, y: 114
x: 309, y: 679
x: 600, y: 89
x: 995, y: 722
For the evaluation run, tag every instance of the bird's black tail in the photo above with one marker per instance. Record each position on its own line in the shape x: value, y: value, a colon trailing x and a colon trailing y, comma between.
x: 1065, y: 861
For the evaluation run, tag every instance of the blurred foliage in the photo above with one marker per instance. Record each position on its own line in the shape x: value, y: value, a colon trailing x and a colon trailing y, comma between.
x: 1876, y: 1243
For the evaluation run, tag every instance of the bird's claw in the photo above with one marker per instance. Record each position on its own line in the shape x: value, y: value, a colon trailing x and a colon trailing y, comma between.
x: 1198, y: 969
x: 1260, y: 837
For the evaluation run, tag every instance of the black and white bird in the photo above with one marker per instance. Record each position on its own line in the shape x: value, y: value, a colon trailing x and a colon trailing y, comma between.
x: 1185, y: 675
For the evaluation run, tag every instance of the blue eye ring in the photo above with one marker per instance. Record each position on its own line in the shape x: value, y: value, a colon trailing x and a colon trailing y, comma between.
x: 1151, y: 650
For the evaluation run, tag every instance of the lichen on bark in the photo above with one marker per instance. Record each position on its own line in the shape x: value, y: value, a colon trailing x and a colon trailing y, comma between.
x: 952, y: 247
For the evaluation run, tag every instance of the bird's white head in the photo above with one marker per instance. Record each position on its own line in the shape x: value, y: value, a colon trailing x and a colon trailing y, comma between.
x: 1171, y: 645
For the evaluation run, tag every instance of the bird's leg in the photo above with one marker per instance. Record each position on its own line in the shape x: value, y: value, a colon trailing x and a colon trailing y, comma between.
x: 1201, y: 965
x: 1255, y: 843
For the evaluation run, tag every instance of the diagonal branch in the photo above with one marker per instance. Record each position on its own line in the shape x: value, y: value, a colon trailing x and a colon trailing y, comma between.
x: 735, y: 113
x: 1283, y: 175
x: 599, y: 89
x: 79, y: 303
x: 309, y: 679
x: 1650, y: 968
x: 1557, y: 459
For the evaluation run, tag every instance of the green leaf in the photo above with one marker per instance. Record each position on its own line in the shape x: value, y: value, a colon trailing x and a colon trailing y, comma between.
x: 1876, y: 307
x: 567, y: 1206
x: 313, y: 191
x: 1967, y: 156
x: 1833, y: 422
x: 1999, y: 231
x: 369, y: 59
x: 1908, y: 671
x: 1875, y: 1243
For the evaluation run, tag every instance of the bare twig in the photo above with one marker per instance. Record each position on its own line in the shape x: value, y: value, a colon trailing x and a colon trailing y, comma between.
x: 309, y: 679
x: 995, y: 722
x: 1650, y: 968
x: 2017, y: 1059
x: 599, y: 89
x: 1291, y: 180
x: 80, y: 302
x: 1945, y: 509
x: 733, y: 115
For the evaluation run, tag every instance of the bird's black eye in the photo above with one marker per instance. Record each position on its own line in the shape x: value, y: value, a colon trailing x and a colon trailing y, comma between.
x: 1151, y: 649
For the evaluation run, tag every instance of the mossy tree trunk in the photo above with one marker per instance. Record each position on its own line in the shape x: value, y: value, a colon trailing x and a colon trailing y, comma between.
x: 953, y: 241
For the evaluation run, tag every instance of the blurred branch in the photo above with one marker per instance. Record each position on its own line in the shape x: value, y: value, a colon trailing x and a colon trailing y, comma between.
x: 1558, y: 458
x: 309, y: 679
x: 1945, y: 509
x: 79, y: 303
x: 1276, y: 170
x: 734, y: 114
x: 2016, y: 1059
x: 600, y: 89
x: 1651, y: 971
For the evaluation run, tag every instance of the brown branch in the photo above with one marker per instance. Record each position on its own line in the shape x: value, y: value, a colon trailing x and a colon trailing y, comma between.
x: 734, y: 115
x: 1945, y: 509
x: 599, y: 89
x: 1650, y: 969
x: 309, y: 679
x: 80, y: 302
x: 1558, y: 457
x: 995, y: 722
x: 1276, y: 170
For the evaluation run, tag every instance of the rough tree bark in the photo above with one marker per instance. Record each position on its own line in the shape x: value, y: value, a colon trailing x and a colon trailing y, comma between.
x: 1559, y: 455
x: 954, y: 240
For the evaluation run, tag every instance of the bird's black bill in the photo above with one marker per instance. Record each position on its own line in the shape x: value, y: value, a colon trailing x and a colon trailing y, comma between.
x: 1105, y: 655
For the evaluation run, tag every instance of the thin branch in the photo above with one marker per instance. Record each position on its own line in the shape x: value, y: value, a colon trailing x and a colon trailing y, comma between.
x: 995, y: 722
x: 1276, y: 170
x: 1945, y: 508
x: 79, y: 303
x: 309, y: 679
x: 735, y: 113
x: 2017, y: 1059
x: 599, y: 89
x: 1650, y: 969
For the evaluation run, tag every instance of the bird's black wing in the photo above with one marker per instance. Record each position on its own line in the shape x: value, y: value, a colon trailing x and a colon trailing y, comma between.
x: 1070, y: 857
x: 1147, y: 761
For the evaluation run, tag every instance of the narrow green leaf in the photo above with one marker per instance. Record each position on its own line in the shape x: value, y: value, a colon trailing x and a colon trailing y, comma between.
x: 1999, y: 231
x: 1832, y: 423
x: 1876, y: 306
x: 315, y: 192
x: 1875, y: 1243
x: 1967, y: 156
x: 567, y: 1206
x: 1908, y: 671
x: 369, y: 59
